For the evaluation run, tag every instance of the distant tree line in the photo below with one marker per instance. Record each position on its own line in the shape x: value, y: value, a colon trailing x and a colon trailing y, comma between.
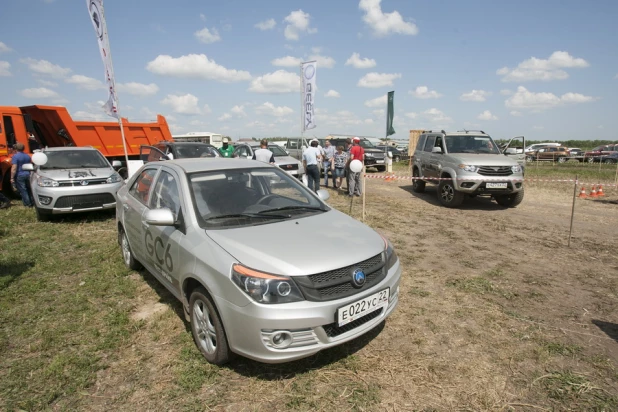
x: 582, y: 144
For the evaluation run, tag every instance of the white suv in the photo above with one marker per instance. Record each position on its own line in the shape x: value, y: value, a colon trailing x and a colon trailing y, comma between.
x: 469, y: 163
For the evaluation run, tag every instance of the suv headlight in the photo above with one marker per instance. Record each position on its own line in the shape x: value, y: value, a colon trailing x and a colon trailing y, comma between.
x: 469, y: 168
x: 390, y: 254
x: 516, y: 169
x: 46, y: 182
x: 115, y: 178
x: 264, y: 287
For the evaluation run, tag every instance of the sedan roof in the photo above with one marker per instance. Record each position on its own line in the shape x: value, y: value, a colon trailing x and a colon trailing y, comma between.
x: 208, y: 165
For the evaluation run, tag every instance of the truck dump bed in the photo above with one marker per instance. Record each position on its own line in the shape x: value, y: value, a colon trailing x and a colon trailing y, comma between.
x: 54, y: 127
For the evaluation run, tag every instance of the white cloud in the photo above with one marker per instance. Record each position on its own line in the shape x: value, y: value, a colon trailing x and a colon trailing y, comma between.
x: 475, y: 96
x: 138, y: 89
x: 411, y: 115
x: 207, y: 36
x: 368, y: 121
x: 298, y: 22
x: 542, y: 69
x: 47, y: 83
x: 202, y: 17
x: 341, y: 118
x: 272, y: 110
x: 382, y: 23
x: 378, y: 112
x: 266, y: 24
x: 324, y: 62
x: 332, y: 93
x: 5, y: 69
x: 239, y: 111
x: 4, y: 48
x: 182, y: 104
x: 524, y: 99
x: 374, y: 80
x: 423, y: 92
x: 538, y: 127
x: 38, y: 93
x: 195, y: 66
x: 45, y: 67
x: 436, y: 116
x: 377, y: 102
x: 277, y: 82
x: 85, y: 82
x: 516, y: 113
x: 206, y: 109
x: 287, y: 61
x: 506, y: 92
x: 61, y: 101
x: 224, y: 117
x: 358, y: 63
x: 486, y: 115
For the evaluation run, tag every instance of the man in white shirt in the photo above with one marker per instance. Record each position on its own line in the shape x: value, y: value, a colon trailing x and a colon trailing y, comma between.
x: 263, y: 154
x: 311, y: 158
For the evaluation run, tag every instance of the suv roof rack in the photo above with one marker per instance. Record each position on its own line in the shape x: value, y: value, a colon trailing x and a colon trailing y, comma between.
x: 434, y: 131
x: 466, y: 131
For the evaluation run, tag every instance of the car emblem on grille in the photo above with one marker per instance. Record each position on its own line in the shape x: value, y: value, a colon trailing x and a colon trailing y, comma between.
x: 83, y: 182
x: 495, y: 169
x: 358, y: 278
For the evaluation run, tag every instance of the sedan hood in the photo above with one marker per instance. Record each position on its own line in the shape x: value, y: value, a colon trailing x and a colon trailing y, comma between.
x: 76, y: 174
x: 285, y: 160
x: 303, y: 246
x: 483, y: 159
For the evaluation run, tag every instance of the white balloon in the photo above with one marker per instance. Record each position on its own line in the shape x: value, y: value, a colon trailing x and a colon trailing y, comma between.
x: 39, y: 158
x: 356, y: 166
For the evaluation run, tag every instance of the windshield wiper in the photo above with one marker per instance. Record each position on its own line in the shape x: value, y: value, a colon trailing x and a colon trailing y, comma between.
x: 257, y: 215
x: 293, y: 207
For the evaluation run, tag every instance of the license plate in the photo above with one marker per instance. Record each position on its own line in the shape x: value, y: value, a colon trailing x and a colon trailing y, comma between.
x: 360, y: 308
x: 380, y: 161
x: 496, y: 185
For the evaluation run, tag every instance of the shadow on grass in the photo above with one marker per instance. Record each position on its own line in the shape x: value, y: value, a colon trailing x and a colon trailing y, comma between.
x: 11, y: 270
x: 610, y: 329
x: 272, y: 372
x: 470, y: 203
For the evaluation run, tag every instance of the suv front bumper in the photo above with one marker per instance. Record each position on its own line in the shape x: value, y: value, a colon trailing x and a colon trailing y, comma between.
x: 477, y: 185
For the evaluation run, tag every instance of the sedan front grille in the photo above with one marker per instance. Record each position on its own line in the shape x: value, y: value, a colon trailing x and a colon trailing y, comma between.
x: 495, y: 171
x: 332, y: 329
x: 85, y: 201
x: 336, y: 284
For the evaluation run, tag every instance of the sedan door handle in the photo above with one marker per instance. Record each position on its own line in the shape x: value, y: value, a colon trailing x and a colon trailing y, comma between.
x: 125, y: 207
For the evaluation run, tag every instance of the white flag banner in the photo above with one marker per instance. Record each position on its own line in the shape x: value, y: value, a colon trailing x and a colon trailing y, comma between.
x: 95, y: 8
x: 308, y: 74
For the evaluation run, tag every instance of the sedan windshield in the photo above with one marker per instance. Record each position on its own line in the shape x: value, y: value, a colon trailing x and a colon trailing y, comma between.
x: 74, y: 159
x: 471, y: 144
x: 187, y: 151
x: 243, y: 197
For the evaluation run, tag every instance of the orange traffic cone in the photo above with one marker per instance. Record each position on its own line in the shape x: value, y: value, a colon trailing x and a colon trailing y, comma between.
x: 600, y: 191
x: 582, y: 193
x: 593, y: 193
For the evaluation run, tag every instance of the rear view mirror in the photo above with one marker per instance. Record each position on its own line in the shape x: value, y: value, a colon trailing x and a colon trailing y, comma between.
x: 160, y: 217
x: 436, y: 149
x: 28, y: 167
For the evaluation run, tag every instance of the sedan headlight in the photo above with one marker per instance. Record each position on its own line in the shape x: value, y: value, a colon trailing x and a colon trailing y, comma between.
x: 46, y: 182
x: 469, y: 168
x: 264, y: 287
x: 390, y: 254
x: 115, y: 178
x: 516, y: 169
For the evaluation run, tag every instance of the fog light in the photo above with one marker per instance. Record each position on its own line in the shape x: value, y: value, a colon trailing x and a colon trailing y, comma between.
x: 281, y: 339
x: 44, y: 200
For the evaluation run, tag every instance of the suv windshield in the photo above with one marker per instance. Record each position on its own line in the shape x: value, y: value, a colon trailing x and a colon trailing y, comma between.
x: 246, y: 197
x: 187, y: 151
x: 74, y: 159
x: 366, y: 144
x: 471, y: 144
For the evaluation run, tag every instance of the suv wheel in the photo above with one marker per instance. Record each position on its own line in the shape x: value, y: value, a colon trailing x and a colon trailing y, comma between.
x: 511, y: 200
x: 396, y: 159
x: 42, y: 215
x: 448, y: 196
x: 418, y: 185
x: 207, y: 328
x: 529, y: 159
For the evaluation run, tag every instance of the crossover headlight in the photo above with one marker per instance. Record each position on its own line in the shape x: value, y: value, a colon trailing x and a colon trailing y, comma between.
x: 46, y: 182
x: 115, y: 178
x: 264, y: 287
x: 390, y: 254
x: 516, y: 169
x: 469, y: 168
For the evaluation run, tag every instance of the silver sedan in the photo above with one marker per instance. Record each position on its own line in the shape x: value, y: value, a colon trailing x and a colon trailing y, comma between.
x: 263, y: 267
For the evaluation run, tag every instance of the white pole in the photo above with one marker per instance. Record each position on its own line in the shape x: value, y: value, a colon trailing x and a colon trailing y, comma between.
x: 302, y: 113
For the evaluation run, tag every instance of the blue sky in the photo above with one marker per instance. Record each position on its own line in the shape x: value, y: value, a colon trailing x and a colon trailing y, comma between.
x: 545, y: 69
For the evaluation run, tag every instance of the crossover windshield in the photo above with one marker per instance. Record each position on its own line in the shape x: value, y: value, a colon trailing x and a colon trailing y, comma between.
x: 243, y: 197
x: 471, y: 144
x: 277, y: 150
x: 74, y: 159
x: 187, y: 151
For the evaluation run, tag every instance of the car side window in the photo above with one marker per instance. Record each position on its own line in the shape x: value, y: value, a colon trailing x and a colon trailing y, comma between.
x: 438, y: 142
x: 141, y: 187
x: 429, y: 143
x: 421, y: 142
x: 292, y: 144
x: 242, y: 151
x: 165, y: 194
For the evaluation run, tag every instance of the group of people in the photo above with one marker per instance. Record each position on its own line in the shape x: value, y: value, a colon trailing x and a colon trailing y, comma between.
x: 19, y: 178
x: 334, y: 160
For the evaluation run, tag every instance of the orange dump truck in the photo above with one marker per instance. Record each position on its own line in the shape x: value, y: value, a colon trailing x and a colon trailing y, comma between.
x: 52, y: 126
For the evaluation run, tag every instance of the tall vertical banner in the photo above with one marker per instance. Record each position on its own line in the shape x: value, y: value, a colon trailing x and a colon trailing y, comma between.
x: 95, y: 7
x: 390, y: 114
x: 308, y: 74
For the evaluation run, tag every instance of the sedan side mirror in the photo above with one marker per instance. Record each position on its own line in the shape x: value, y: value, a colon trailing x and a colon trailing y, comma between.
x: 436, y: 149
x: 160, y: 217
x: 28, y: 167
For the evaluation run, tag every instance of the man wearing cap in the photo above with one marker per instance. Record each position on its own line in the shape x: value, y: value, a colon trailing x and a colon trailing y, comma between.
x: 227, y: 150
x: 356, y: 153
x: 20, y: 177
x: 311, y: 158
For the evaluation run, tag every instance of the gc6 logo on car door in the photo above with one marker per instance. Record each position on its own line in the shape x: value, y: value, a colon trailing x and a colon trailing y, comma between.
x: 161, y: 252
